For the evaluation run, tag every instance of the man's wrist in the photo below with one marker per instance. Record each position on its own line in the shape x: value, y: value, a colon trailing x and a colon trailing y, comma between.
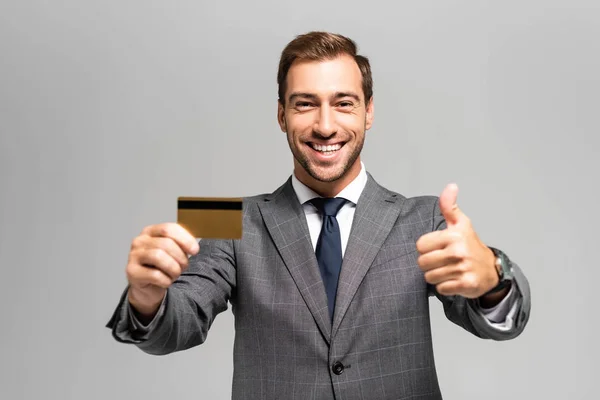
x: 490, y: 300
x: 144, y: 310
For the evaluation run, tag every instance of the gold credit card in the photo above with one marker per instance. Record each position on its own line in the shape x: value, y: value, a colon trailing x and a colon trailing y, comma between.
x: 211, y: 217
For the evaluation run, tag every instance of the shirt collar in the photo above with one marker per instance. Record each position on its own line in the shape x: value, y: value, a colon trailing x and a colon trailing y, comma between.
x: 351, y: 192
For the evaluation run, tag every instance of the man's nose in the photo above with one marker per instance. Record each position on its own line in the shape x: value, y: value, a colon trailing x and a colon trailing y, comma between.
x: 325, y: 124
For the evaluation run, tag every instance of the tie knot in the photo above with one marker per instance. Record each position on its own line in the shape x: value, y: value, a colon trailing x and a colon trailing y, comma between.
x: 328, y: 206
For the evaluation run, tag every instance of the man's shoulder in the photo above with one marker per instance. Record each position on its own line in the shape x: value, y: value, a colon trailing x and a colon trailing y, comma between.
x: 423, y: 206
x: 411, y: 202
x: 421, y: 200
x: 415, y: 214
x: 250, y: 201
x: 256, y: 198
x: 261, y: 197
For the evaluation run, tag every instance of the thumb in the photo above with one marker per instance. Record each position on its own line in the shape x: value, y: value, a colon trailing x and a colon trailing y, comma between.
x: 448, y: 205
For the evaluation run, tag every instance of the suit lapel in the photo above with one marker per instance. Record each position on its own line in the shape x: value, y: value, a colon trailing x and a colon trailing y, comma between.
x: 286, y: 222
x: 376, y: 213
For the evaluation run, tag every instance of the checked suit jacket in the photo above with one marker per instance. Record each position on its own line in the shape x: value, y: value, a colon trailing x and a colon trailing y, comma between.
x: 379, y: 345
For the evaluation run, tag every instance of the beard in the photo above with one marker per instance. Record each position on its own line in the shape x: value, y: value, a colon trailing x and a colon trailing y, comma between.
x: 328, y: 173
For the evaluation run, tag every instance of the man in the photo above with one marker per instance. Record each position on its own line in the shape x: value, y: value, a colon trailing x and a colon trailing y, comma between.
x: 330, y: 282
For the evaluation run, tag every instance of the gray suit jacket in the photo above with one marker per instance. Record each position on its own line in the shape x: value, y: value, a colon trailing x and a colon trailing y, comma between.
x: 379, y: 345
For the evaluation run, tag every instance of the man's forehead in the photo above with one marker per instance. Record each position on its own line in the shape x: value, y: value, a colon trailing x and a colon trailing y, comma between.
x: 324, y: 77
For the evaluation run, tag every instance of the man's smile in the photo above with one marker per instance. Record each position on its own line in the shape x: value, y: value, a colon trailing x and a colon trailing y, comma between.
x: 325, y: 152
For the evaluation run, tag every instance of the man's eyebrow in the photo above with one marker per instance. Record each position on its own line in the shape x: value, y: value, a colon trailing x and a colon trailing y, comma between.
x: 303, y: 95
x: 353, y: 95
x: 336, y: 95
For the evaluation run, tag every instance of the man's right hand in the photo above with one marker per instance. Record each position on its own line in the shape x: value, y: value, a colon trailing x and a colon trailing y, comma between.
x: 156, y: 259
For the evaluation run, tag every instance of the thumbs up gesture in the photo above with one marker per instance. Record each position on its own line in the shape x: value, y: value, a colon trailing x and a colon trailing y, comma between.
x: 454, y: 259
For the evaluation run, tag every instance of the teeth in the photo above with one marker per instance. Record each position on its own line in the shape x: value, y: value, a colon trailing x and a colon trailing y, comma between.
x: 328, y: 148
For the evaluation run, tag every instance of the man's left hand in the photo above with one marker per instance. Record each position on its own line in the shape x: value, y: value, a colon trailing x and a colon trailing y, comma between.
x: 454, y: 259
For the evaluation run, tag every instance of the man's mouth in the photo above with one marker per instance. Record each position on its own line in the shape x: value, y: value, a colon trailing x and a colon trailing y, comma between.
x: 326, y: 149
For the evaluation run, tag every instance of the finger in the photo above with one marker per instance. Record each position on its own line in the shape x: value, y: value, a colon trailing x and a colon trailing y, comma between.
x: 159, y: 259
x: 448, y: 205
x: 166, y: 244
x: 140, y: 275
x: 436, y: 259
x: 449, y: 288
x: 446, y: 273
x: 176, y: 232
x: 436, y: 240
x: 466, y: 285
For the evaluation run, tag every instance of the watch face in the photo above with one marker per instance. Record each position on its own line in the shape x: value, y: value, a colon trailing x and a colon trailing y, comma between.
x: 499, y: 267
x: 506, y: 268
x: 503, y: 265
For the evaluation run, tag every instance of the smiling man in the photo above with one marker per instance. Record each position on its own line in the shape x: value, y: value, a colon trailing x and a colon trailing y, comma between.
x: 330, y: 282
x: 325, y: 113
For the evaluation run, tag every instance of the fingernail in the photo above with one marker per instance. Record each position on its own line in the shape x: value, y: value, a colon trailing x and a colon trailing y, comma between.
x: 195, y: 248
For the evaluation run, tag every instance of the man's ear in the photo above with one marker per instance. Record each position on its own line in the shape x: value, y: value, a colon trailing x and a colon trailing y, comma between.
x: 281, y: 116
x: 370, y: 114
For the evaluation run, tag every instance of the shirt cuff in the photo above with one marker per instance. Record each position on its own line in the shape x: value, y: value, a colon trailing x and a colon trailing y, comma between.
x: 136, y: 325
x: 501, y: 316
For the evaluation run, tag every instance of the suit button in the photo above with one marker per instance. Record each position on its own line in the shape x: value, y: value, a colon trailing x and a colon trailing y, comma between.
x: 337, y: 368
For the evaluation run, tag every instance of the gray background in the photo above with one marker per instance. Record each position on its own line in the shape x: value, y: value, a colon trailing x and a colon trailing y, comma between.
x: 109, y: 110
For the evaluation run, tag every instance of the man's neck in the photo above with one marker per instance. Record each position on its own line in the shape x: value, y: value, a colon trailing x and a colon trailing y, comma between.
x: 328, y: 189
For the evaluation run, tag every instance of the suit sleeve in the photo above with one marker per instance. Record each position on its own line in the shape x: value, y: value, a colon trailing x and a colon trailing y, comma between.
x: 191, y: 305
x: 467, y: 314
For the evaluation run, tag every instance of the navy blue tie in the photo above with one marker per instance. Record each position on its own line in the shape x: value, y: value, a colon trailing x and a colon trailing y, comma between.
x: 329, y: 246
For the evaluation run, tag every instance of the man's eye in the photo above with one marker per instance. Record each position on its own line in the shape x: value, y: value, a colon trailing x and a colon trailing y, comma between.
x: 303, y: 104
x: 345, y: 104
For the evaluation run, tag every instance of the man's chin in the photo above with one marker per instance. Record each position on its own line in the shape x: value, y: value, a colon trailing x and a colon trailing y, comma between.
x: 326, y: 174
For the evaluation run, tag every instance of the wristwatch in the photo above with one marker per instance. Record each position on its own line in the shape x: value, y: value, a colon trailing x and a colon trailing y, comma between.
x: 504, y: 269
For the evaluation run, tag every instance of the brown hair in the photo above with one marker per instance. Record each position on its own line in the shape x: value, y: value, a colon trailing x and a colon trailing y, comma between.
x: 317, y: 46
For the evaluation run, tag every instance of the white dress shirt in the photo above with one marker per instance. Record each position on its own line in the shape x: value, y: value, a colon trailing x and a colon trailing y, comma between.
x: 500, y: 316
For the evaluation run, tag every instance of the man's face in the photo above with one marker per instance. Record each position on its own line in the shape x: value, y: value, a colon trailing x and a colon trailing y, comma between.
x: 325, y: 118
